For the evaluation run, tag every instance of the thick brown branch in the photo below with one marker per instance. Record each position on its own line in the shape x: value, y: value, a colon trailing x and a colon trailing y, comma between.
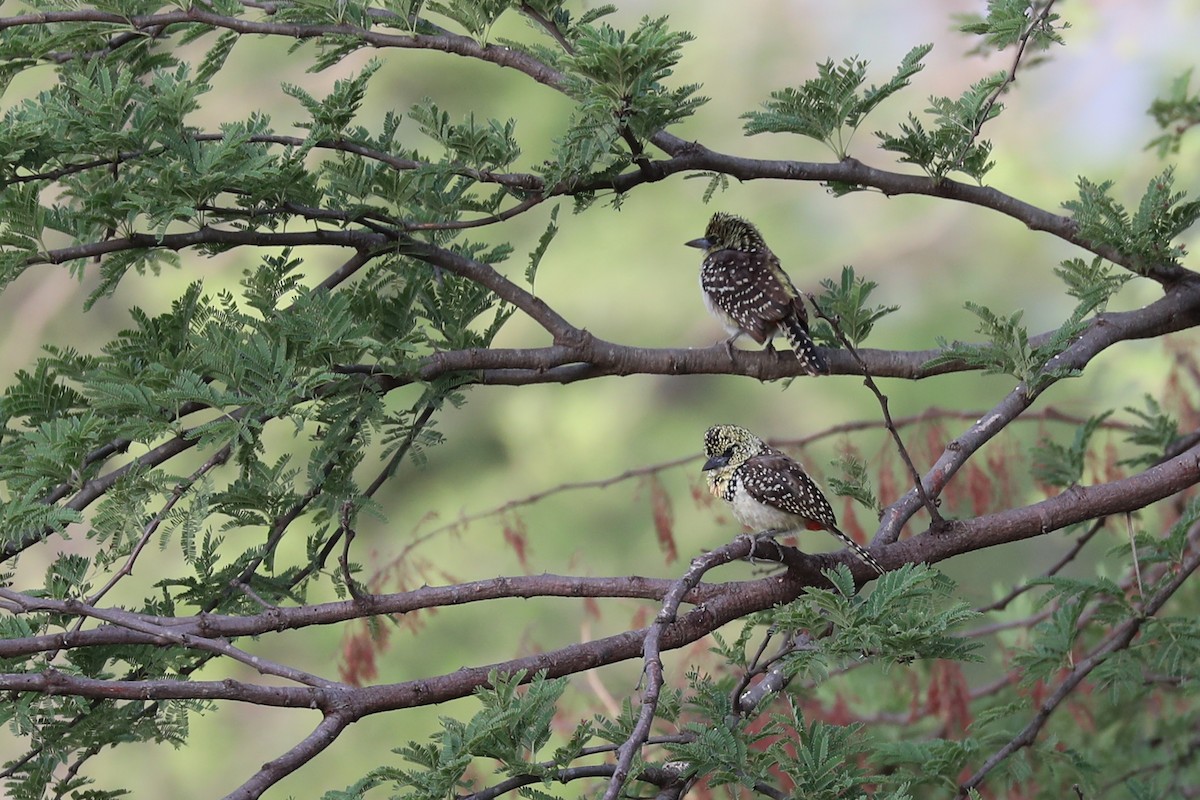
x: 446, y: 42
x: 282, y: 619
x: 1078, y: 504
x: 726, y: 603
x: 592, y: 357
x: 1073, y: 506
x: 725, y: 607
x: 692, y: 156
x: 1178, y: 309
x: 53, y: 682
x: 362, y: 241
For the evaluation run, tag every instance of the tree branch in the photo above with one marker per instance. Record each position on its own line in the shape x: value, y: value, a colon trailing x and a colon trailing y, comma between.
x: 277, y: 769
x: 1180, y: 306
x: 1119, y: 639
x: 686, y: 156
x: 1078, y: 504
x: 215, y: 460
x: 1075, y: 505
x: 279, y: 619
x: 652, y: 654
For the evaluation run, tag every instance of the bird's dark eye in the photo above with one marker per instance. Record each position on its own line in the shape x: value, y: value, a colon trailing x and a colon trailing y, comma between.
x: 728, y: 452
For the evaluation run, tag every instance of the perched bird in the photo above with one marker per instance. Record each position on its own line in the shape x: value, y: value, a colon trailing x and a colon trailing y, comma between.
x: 746, y: 289
x: 767, y: 490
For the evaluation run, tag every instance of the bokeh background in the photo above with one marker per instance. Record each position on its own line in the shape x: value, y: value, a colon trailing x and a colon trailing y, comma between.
x: 626, y: 276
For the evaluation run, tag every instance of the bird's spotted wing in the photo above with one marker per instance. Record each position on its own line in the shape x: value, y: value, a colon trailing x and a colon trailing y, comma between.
x: 777, y: 481
x: 743, y: 286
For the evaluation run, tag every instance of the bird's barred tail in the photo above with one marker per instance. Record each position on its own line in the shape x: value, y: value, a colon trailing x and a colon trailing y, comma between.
x: 811, y: 361
x: 859, y: 550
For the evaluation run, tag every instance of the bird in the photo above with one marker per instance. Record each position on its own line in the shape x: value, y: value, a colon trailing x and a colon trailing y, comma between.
x: 766, y: 489
x: 747, y: 290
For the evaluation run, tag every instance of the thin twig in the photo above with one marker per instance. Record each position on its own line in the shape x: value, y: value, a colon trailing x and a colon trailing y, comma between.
x: 67, y: 782
x: 95, y: 488
x: 1036, y: 20
x: 344, y: 272
x: 217, y: 459
x: 548, y: 26
x: 775, y: 677
x: 389, y: 469
x: 139, y: 623
x: 931, y: 506
x: 517, y: 781
x: 1174, y: 762
x: 1137, y: 567
x: 63, y: 728
x: 346, y: 530
x: 1011, y: 624
x: 403, y: 449
x: 279, y: 527
x: 752, y: 668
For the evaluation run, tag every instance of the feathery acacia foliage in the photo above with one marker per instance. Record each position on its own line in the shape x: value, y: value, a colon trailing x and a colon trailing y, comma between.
x: 242, y: 437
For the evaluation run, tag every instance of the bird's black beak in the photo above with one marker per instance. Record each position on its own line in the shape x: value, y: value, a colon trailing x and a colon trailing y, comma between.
x: 702, y: 243
x: 715, y: 462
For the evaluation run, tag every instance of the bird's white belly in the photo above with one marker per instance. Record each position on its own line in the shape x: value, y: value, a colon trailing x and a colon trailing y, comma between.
x: 760, y: 517
x: 726, y: 321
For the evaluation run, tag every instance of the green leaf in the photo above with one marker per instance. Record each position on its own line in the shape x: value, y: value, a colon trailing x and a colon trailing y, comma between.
x: 1063, y: 465
x: 476, y: 16
x: 214, y: 59
x: 490, y: 146
x: 1007, y: 21
x: 1092, y: 283
x: 1009, y: 351
x: 910, y: 614
x: 952, y: 145
x: 1156, y: 432
x: 847, y: 302
x: 717, y: 182
x: 1144, y: 237
x: 617, y: 80
x: 830, y: 108
x: 855, y: 482
x: 1175, y: 114
x: 539, y: 252
x: 330, y: 117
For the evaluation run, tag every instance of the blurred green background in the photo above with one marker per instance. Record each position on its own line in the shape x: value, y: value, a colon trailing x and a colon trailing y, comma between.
x: 626, y: 276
